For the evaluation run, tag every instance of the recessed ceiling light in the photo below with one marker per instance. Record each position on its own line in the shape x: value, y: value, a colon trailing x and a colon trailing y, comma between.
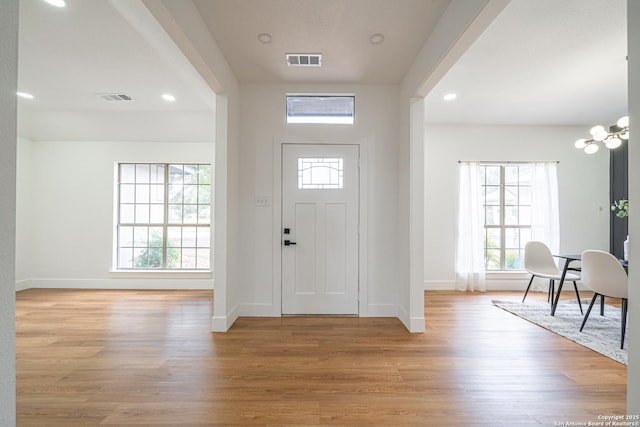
x: 265, y: 38
x: 24, y: 95
x: 450, y: 97
x: 56, y: 3
x: 168, y: 97
x: 376, y: 38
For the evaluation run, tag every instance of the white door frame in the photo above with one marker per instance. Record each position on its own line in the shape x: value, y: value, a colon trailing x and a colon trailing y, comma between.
x: 277, y: 222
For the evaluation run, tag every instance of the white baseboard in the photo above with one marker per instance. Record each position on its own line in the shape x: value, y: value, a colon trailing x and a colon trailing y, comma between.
x: 22, y: 285
x: 497, y: 284
x: 381, y: 310
x: 417, y: 325
x: 256, y: 310
x: 414, y: 325
x: 267, y: 310
x: 223, y: 323
x: 125, y: 283
x: 435, y: 285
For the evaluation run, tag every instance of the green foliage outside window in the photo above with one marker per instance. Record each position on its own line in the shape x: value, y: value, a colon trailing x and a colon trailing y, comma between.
x: 151, y: 257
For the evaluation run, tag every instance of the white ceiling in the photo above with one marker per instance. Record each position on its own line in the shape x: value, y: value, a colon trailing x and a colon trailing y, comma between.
x: 540, y: 62
x: 338, y: 29
x: 67, y: 55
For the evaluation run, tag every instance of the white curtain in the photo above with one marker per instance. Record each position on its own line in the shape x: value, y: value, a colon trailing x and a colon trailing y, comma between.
x: 545, y: 220
x: 545, y: 214
x: 470, y: 265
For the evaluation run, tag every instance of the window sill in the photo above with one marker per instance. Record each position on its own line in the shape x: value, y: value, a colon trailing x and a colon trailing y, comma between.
x: 161, y: 274
x: 506, y: 275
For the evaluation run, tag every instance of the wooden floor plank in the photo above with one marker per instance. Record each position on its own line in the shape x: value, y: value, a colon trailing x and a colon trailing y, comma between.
x: 148, y: 358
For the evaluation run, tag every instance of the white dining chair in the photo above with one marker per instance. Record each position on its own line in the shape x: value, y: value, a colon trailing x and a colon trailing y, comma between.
x: 539, y: 262
x: 605, y: 276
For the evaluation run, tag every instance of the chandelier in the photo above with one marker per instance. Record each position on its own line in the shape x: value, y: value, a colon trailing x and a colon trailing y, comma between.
x: 611, y: 139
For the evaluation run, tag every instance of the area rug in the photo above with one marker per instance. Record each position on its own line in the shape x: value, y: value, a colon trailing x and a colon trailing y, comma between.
x: 600, y: 334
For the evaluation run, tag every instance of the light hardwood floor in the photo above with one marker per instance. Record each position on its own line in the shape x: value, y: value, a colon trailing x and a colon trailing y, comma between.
x: 148, y: 358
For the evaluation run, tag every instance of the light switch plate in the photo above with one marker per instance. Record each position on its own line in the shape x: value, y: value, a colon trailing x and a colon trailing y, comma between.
x: 263, y: 201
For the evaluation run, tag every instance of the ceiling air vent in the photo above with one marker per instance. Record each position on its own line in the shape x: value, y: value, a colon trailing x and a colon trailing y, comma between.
x: 114, y: 96
x: 304, y: 59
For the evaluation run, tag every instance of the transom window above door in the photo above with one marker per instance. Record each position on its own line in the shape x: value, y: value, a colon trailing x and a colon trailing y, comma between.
x: 321, y: 109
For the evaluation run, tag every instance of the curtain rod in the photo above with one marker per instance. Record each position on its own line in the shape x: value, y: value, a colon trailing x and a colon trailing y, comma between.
x: 506, y: 162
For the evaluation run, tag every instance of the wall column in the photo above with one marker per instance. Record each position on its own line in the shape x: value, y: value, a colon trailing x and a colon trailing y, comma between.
x: 8, y: 150
x: 633, y: 371
x: 416, y: 234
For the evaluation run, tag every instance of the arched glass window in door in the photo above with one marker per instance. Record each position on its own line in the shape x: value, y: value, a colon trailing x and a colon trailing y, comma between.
x: 320, y: 173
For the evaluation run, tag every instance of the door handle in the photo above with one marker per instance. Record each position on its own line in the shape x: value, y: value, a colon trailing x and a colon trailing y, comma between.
x: 289, y: 243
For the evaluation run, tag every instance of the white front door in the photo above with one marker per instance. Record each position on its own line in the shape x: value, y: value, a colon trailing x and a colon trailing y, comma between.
x: 320, y: 185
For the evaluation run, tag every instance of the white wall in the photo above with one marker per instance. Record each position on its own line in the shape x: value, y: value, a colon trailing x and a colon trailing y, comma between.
x: 8, y: 115
x: 141, y: 126
x: 262, y: 131
x: 583, y: 186
x: 68, y: 189
x: 24, y: 213
x: 633, y: 373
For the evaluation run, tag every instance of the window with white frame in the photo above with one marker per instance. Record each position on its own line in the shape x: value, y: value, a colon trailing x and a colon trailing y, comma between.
x: 163, y: 216
x: 506, y: 197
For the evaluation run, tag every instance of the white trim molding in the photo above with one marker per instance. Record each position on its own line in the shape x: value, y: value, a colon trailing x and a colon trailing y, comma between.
x: 125, y: 283
x: 223, y: 323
